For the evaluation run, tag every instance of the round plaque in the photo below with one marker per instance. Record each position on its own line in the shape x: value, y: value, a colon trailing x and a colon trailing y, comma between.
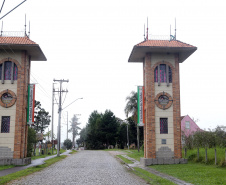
x: 163, y: 100
x: 7, y: 98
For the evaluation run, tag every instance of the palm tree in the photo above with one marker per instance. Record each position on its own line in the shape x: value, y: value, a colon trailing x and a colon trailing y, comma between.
x: 131, y: 108
x: 131, y: 105
x: 74, y: 128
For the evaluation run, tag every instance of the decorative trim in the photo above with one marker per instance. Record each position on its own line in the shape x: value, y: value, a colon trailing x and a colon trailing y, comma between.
x: 13, y: 101
x: 163, y: 106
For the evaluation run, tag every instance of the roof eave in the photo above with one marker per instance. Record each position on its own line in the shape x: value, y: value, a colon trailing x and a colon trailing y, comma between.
x: 33, y: 50
x: 138, y: 53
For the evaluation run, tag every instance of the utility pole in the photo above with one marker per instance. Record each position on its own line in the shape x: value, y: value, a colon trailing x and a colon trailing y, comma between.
x: 52, y: 118
x: 59, y: 112
x: 127, y: 134
x: 67, y: 124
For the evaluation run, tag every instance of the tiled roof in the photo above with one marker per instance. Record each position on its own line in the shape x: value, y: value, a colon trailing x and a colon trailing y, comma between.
x: 164, y: 43
x: 16, y: 40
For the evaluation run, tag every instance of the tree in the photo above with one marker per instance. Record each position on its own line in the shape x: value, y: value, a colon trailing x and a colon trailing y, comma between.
x: 101, y: 130
x: 131, y: 108
x: 81, y: 141
x: 93, y: 138
x: 68, y: 144
x: 122, y: 135
x: 31, y: 140
x: 74, y: 128
x: 42, y: 118
x: 131, y: 105
x: 108, y: 128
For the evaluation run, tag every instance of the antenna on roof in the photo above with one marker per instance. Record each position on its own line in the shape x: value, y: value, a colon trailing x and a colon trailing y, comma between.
x: 147, y: 29
x: 2, y: 29
x: 144, y: 32
x: 25, y: 32
x: 29, y: 30
x: 175, y: 36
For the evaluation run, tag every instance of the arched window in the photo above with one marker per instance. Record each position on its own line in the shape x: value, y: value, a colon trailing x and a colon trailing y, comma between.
x: 163, y: 73
x: 15, y: 72
x: 8, y: 71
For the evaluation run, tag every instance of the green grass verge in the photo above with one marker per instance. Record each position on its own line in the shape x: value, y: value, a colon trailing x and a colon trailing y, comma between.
x: 135, y: 154
x: 6, y: 167
x: 125, y: 159
x: 73, y: 152
x: 14, y: 176
x: 151, y: 178
x: 195, y: 173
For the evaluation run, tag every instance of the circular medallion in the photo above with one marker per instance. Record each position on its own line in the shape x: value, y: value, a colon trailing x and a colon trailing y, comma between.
x: 7, y: 98
x: 163, y: 100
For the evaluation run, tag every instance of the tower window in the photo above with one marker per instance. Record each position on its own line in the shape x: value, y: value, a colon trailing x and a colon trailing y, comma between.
x: 8, y: 71
x: 163, y: 125
x: 15, y: 72
x: 5, y: 124
x: 163, y: 73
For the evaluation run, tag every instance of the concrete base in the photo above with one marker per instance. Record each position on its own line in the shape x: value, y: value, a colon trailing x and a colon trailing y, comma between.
x: 148, y: 162
x: 18, y: 162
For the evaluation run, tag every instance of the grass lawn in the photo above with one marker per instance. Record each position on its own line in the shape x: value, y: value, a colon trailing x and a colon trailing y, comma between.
x: 135, y: 154
x: 6, y: 167
x: 151, y: 178
x: 125, y: 159
x: 13, y: 176
x: 195, y: 173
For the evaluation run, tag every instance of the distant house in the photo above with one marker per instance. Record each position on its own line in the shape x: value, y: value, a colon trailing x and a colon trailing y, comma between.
x: 188, y: 126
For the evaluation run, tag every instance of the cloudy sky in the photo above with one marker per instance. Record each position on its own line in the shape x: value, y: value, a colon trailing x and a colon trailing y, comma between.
x: 89, y: 42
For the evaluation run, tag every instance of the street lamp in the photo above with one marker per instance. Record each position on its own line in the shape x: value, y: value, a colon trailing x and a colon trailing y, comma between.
x: 71, y: 103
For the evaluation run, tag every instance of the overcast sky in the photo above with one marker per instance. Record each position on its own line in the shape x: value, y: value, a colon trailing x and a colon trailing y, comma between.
x: 89, y: 42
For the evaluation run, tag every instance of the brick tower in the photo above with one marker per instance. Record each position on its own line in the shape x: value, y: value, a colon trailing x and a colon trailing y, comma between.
x: 16, y: 54
x: 162, y: 128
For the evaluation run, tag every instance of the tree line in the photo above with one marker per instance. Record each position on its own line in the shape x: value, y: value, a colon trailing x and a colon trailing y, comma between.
x: 206, y: 139
x: 105, y: 129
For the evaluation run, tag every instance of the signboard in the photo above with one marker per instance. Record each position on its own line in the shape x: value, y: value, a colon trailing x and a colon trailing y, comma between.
x: 140, y: 106
x: 30, y: 104
x: 39, y: 136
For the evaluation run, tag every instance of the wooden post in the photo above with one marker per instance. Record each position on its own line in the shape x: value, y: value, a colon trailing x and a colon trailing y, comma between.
x: 185, y: 152
x: 198, y: 154
x: 215, y: 156
x: 225, y: 155
x: 206, y: 154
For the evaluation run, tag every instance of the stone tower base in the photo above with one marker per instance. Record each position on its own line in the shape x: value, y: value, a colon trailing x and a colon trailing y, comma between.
x: 148, y: 162
x: 19, y: 162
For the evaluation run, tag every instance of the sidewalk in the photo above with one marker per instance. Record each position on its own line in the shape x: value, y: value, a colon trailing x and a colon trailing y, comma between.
x: 35, y: 162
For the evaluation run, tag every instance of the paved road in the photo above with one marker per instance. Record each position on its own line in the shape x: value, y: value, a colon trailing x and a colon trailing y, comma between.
x: 85, y: 167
